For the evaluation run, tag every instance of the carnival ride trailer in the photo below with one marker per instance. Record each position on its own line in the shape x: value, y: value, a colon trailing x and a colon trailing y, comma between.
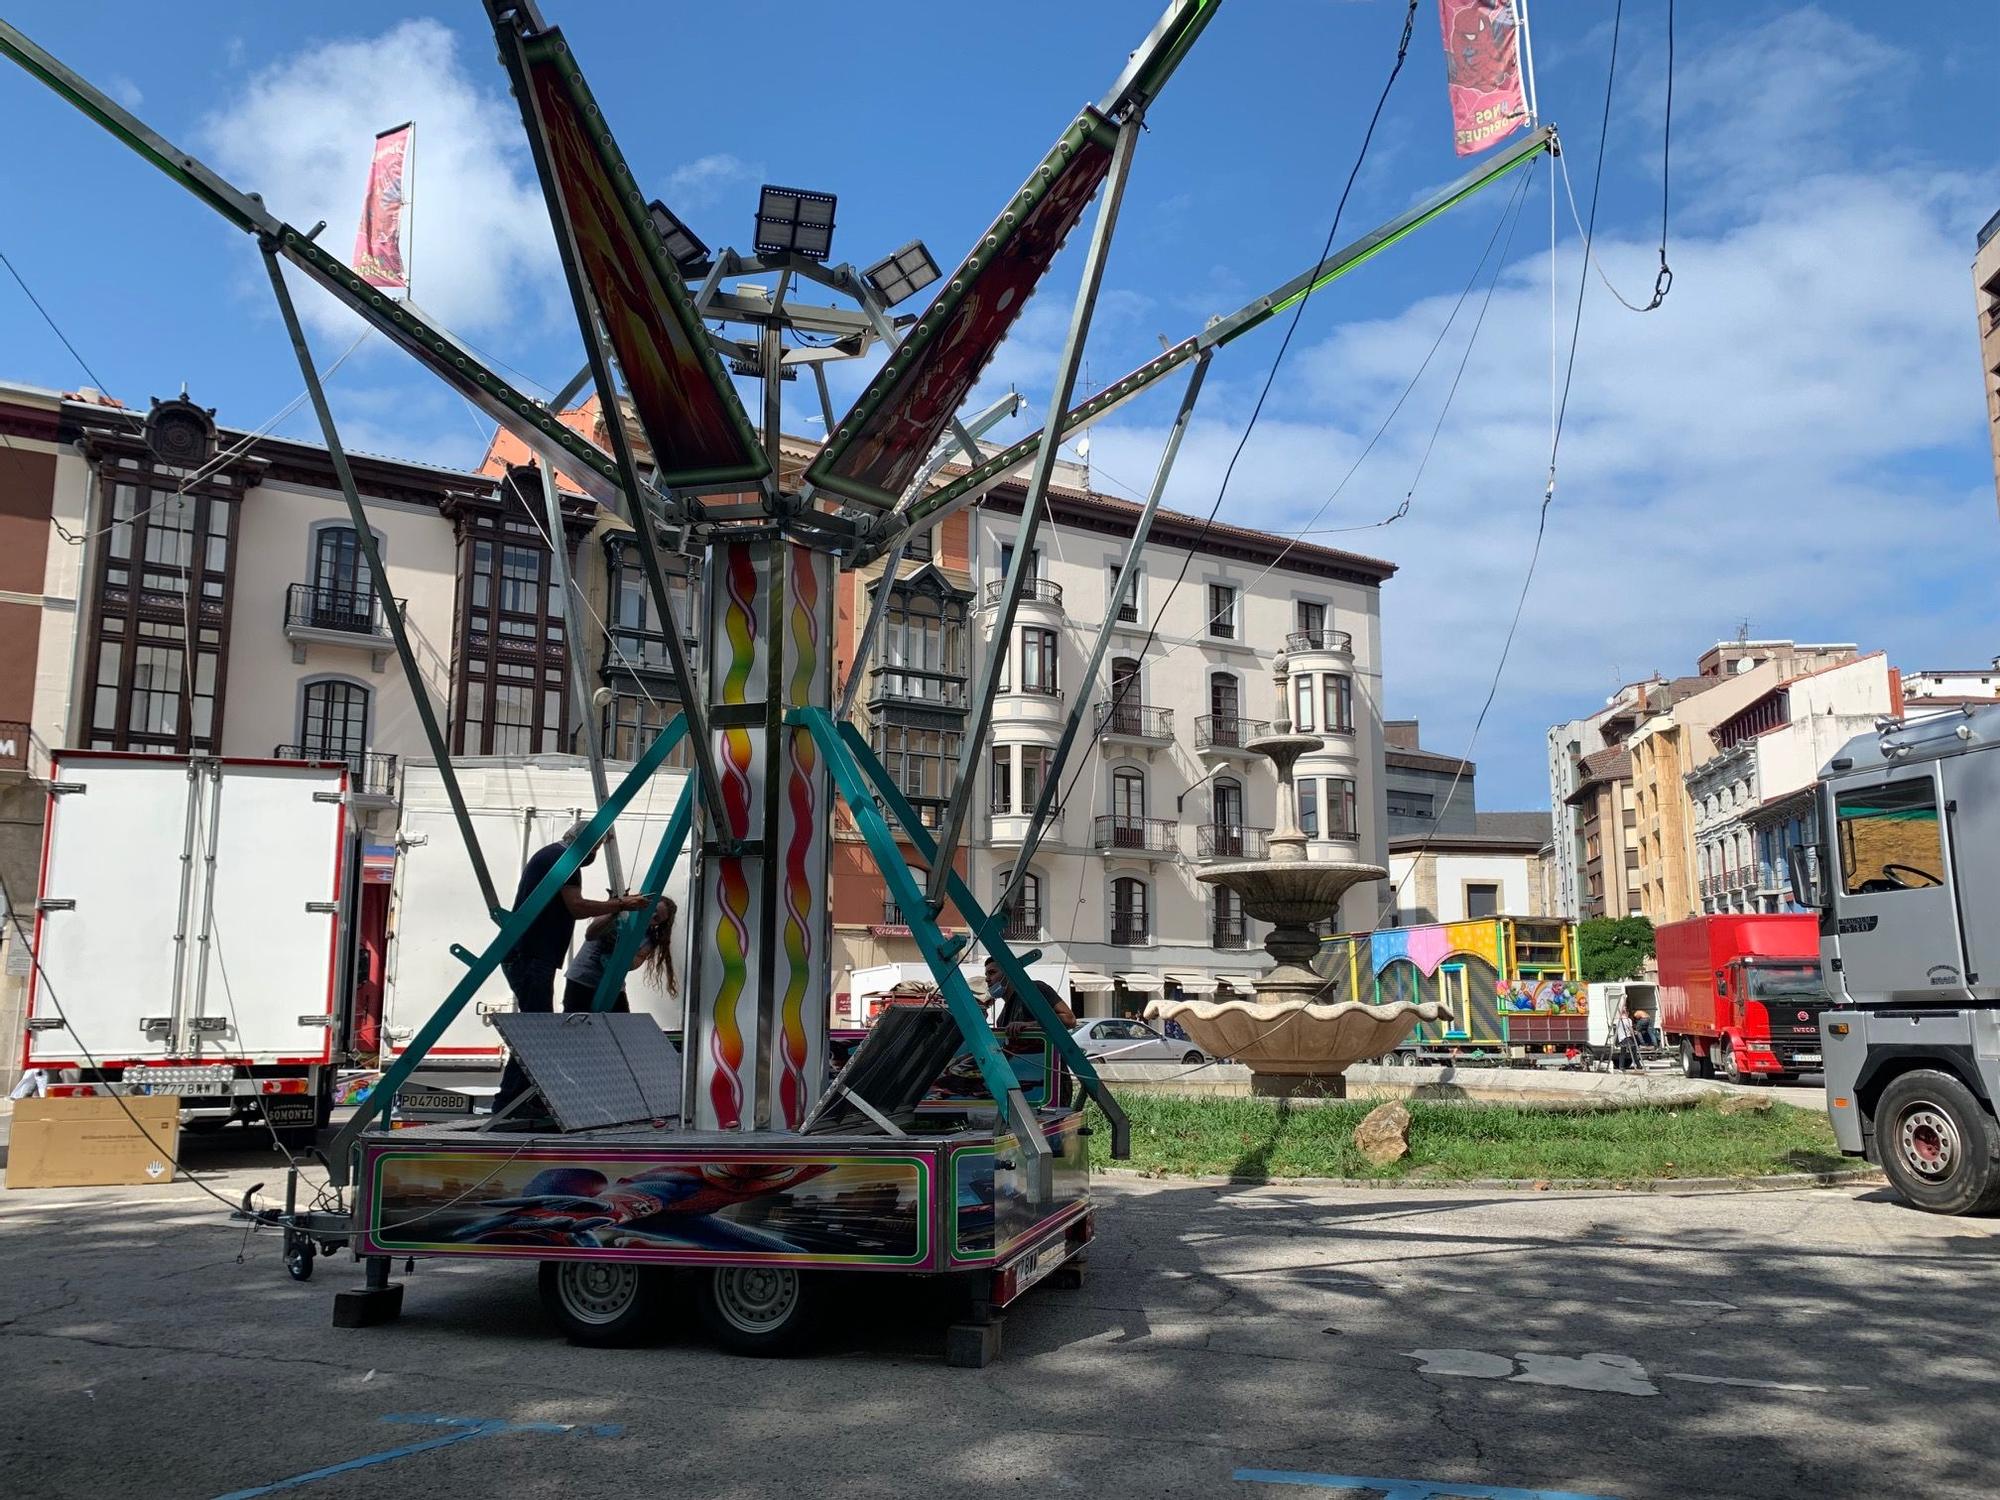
x: 614, y: 1204
x: 1511, y: 983
x: 188, y: 933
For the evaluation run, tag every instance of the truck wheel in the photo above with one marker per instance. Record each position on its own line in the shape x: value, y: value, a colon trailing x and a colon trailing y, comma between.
x: 758, y: 1310
x: 1724, y: 1062
x: 601, y: 1303
x: 1693, y: 1064
x: 1936, y: 1143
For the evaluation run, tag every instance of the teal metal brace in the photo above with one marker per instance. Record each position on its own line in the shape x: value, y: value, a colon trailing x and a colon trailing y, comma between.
x: 340, y: 1154
x: 1014, y: 967
x: 632, y: 926
x: 994, y: 1068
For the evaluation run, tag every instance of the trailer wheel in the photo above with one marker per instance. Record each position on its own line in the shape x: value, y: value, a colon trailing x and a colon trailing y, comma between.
x: 1693, y: 1064
x: 1937, y: 1144
x: 299, y: 1260
x: 759, y: 1310
x: 602, y: 1303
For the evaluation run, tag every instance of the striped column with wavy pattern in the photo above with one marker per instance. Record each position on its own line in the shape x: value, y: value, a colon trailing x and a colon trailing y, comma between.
x: 726, y: 1093
x: 794, y: 1088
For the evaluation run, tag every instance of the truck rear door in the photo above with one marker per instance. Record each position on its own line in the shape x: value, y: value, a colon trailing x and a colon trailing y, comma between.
x: 113, y: 890
x: 269, y: 888
x: 1890, y: 860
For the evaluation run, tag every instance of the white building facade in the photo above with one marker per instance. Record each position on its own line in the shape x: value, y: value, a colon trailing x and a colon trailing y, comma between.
x: 1161, y: 781
x: 1752, y: 799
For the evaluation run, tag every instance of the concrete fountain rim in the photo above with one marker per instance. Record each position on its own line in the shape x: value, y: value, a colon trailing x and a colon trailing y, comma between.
x: 1272, y: 1010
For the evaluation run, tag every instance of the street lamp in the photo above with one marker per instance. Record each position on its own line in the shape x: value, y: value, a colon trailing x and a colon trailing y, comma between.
x: 794, y: 221
x: 684, y: 246
x: 902, y: 274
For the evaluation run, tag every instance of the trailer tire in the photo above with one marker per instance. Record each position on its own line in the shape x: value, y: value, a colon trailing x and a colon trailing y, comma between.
x: 601, y: 1303
x: 1937, y: 1144
x: 1693, y: 1064
x: 764, y: 1311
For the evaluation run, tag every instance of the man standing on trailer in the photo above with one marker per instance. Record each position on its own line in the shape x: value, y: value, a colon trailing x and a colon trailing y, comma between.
x: 538, y: 954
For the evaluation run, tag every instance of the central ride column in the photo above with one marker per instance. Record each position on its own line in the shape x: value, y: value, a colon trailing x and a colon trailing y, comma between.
x: 761, y: 981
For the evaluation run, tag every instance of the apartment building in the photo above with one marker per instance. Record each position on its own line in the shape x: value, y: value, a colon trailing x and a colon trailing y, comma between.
x: 1607, y: 822
x: 1986, y: 303
x: 1162, y: 779
x: 174, y: 585
x: 1752, y: 800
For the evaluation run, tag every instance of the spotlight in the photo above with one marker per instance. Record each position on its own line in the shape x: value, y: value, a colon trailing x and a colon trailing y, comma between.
x: 684, y: 246
x: 903, y: 274
x: 791, y: 220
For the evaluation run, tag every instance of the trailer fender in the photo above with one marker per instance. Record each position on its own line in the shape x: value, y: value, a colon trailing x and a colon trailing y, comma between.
x: 1888, y: 1061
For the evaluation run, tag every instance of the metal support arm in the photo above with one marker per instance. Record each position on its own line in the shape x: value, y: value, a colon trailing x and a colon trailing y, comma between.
x: 378, y: 576
x: 1128, y: 578
x: 1011, y: 965
x: 480, y: 966
x: 981, y: 720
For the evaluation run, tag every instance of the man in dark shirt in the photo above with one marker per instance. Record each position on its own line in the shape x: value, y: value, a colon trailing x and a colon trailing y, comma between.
x: 538, y: 954
x: 1015, y: 1015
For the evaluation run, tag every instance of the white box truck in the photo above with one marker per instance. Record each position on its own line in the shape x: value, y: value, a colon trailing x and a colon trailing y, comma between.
x: 189, y: 931
x: 516, y: 807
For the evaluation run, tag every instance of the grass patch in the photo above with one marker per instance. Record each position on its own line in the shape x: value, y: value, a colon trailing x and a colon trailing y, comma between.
x: 1454, y: 1142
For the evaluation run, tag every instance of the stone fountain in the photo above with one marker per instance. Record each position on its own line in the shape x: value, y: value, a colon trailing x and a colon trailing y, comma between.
x: 1291, y: 1039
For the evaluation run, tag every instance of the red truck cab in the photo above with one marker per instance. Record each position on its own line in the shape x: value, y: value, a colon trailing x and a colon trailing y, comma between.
x: 1740, y: 994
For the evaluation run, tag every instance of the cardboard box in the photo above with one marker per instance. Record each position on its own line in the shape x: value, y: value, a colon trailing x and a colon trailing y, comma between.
x: 93, y: 1142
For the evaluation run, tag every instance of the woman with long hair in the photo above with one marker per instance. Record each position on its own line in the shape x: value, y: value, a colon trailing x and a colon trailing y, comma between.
x: 655, y: 956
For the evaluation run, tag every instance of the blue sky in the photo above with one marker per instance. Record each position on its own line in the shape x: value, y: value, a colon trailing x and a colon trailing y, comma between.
x: 1796, y: 440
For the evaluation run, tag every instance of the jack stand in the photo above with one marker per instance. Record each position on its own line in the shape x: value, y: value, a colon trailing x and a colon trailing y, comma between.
x: 377, y: 1300
x: 974, y: 1343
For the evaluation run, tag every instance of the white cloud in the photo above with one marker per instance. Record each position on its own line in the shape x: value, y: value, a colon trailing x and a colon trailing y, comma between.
x: 124, y: 90
x: 699, y: 183
x: 1796, y: 438
x: 301, y: 132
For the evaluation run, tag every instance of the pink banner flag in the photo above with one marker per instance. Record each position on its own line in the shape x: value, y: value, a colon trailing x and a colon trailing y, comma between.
x: 378, y: 244
x: 1482, y: 69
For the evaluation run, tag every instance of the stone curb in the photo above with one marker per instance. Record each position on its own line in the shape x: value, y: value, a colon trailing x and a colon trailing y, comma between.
x: 1777, y: 1182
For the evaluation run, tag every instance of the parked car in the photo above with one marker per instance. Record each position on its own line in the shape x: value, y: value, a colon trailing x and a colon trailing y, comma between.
x: 1133, y: 1041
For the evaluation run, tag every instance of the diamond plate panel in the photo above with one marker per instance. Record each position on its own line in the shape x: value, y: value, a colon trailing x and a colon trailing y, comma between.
x: 597, y: 1068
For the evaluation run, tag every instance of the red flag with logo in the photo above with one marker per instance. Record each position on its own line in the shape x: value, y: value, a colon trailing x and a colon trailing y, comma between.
x: 378, y: 244
x: 1482, y: 69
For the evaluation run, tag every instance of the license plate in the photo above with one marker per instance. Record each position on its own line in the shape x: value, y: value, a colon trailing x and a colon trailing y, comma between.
x: 287, y: 1110
x: 184, y: 1090
x: 435, y: 1101
x: 1806, y: 1057
x: 1040, y: 1264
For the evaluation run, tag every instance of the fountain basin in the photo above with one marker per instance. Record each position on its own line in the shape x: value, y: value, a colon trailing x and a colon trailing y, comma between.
x: 1293, y: 1047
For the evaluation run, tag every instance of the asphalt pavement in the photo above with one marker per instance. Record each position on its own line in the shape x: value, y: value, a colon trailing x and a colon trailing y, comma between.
x: 1228, y: 1341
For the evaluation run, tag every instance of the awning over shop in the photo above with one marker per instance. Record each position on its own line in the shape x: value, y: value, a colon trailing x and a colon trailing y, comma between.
x: 1084, y: 979
x: 1191, y: 981
x: 1149, y: 982
x: 1243, y: 984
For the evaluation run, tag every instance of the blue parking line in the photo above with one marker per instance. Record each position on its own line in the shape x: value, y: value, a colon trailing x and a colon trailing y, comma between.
x: 463, y: 1429
x: 1408, y: 1489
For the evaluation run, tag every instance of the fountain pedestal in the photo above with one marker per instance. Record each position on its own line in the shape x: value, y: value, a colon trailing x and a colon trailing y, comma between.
x: 1293, y: 1042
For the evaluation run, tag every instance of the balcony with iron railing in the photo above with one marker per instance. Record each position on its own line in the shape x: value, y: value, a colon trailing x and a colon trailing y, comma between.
x: 1128, y: 930
x: 1231, y: 841
x: 1151, y: 838
x: 1228, y: 735
x: 1320, y: 640
x: 336, y: 616
x: 1122, y: 719
x: 1042, y: 591
x: 370, y: 778
x: 1230, y: 932
x: 919, y: 689
x: 1023, y: 923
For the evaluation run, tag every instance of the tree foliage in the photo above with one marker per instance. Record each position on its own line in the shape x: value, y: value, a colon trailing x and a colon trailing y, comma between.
x: 1612, y: 948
